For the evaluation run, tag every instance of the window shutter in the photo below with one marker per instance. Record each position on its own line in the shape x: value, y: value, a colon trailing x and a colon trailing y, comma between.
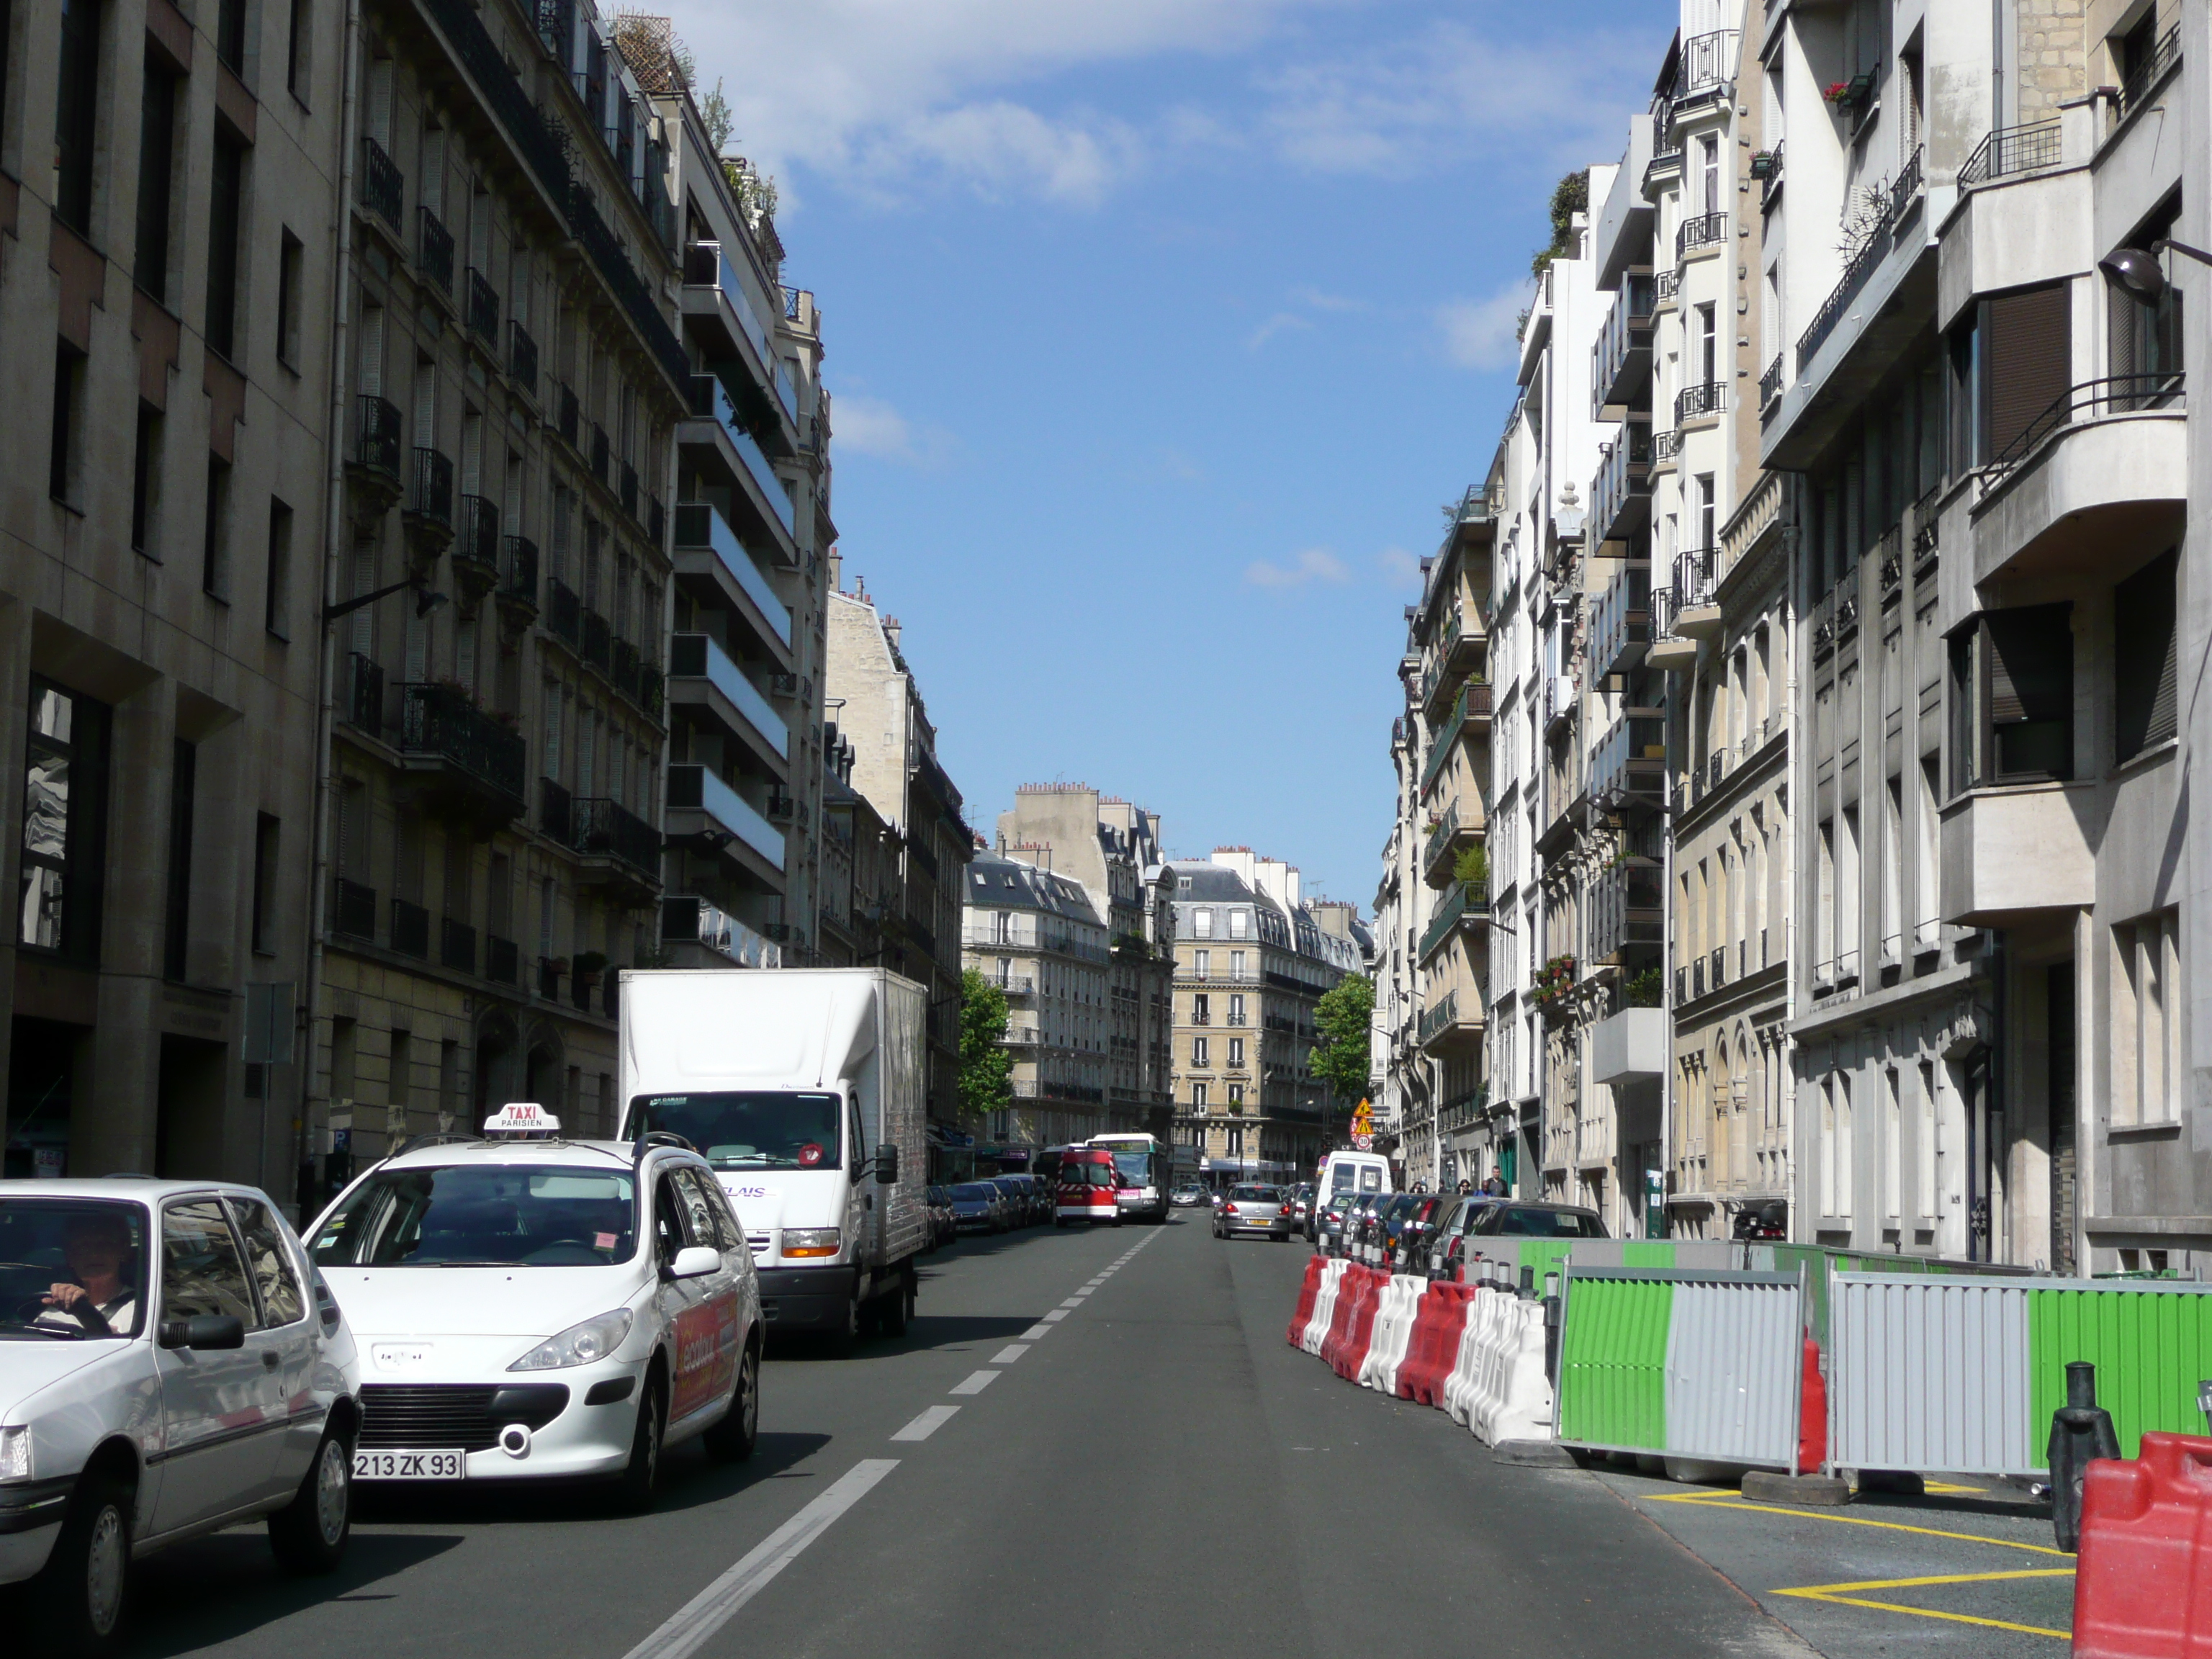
x: 2026, y: 358
x: 2031, y: 664
x: 2146, y: 662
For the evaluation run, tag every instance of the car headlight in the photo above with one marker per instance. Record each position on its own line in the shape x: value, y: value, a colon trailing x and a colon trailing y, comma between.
x: 580, y: 1345
x: 15, y: 1453
x: 812, y: 1241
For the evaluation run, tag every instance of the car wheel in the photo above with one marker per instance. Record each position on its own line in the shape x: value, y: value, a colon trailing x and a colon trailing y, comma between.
x: 732, y: 1439
x: 83, y: 1594
x: 309, y: 1534
x: 634, y: 1488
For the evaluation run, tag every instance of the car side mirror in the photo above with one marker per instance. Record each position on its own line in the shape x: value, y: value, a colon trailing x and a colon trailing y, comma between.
x: 694, y: 1260
x: 887, y: 1168
x: 213, y: 1332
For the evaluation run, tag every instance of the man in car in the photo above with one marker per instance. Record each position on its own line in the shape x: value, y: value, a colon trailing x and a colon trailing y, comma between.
x: 97, y: 1297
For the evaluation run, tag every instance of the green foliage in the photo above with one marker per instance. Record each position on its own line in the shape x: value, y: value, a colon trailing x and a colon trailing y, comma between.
x: 1344, y: 1016
x: 987, y: 1069
x: 754, y: 191
x: 1643, y: 989
x: 1569, y: 196
x: 1472, y: 866
x: 715, y: 116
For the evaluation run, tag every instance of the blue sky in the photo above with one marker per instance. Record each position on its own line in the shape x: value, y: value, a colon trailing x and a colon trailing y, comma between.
x: 1159, y: 331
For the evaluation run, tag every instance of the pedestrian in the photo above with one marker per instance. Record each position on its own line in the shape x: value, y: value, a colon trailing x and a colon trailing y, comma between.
x: 1465, y: 1187
x: 1495, y: 1185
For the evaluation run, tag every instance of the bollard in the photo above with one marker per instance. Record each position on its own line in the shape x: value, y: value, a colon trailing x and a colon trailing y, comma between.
x: 1553, y: 1320
x: 1527, y: 1283
x: 2080, y: 1429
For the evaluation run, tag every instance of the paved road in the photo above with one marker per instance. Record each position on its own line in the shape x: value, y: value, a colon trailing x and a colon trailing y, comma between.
x: 1145, y: 1466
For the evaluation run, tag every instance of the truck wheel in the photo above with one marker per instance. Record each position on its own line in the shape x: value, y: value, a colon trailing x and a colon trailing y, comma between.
x: 83, y: 1592
x: 846, y: 1335
x: 308, y: 1534
x: 897, y: 1308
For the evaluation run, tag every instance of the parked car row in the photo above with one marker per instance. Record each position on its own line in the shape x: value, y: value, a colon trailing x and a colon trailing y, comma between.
x: 1431, y: 1233
x: 992, y: 1204
x: 508, y: 1307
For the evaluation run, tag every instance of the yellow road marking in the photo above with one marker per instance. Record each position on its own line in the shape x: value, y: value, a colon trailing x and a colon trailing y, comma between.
x: 1945, y: 1488
x: 1836, y: 1596
x: 1726, y: 1501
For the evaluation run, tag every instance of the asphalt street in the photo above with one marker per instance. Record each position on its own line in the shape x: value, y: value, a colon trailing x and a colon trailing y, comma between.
x: 1088, y: 1442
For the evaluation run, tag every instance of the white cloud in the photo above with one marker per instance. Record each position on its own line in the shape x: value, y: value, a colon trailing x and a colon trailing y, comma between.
x: 1274, y: 326
x: 1312, y: 564
x: 1483, y: 333
x: 1399, y: 569
x: 869, y: 426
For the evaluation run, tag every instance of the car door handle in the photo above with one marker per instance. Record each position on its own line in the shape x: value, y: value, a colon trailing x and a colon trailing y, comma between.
x: 268, y: 1359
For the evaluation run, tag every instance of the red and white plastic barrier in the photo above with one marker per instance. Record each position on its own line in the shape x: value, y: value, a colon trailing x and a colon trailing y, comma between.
x: 1395, y: 1310
x: 1437, y: 1329
x: 1307, y: 1336
x: 1303, y: 1314
x: 2142, y: 1586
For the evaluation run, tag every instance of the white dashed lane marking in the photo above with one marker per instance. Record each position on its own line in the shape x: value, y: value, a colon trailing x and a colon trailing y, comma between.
x: 928, y: 1423
x: 1008, y: 1355
x: 975, y: 1383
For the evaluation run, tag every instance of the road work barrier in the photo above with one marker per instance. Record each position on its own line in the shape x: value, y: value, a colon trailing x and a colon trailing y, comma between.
x: 1309, y: 1335
x: 1497, y: 1387
x: 1437, y: 1326
x: 1345, y: 1345
x: 1963, y: 1374
x: 1308, y: 1289
x: 1702, y: 1364
x: 2142, y: 1588
x: 1395, y: 1312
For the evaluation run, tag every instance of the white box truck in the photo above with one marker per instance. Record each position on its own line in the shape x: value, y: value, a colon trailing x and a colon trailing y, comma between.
x: 804, y: 1088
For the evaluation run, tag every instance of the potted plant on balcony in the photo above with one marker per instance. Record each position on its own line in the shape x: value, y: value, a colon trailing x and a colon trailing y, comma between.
x: 1643, y: 990
x: 589, y: 964
x: 1851, y: 94
x: 1471, y: 869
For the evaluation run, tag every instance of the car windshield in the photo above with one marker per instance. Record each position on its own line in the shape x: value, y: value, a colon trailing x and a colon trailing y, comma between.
x: 484, y: 1215
x: 973, y: 1192
x: 70, y: 1268
x: 747, y: 1130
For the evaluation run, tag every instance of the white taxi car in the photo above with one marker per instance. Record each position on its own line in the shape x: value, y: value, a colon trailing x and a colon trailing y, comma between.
x: 169, y: 1363
x: 531, y: 1307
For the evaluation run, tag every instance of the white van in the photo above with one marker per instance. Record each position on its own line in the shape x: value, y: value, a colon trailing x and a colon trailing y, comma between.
x: 1347, y: 1172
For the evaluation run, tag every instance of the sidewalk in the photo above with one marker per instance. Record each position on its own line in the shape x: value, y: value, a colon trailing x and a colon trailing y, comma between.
x: 1968, y: 1569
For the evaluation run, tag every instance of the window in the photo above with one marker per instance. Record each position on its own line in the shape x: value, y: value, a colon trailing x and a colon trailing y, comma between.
x: 157, y: 173
x: 267, y: 839
x: 65, y: 784
x: 299, y: 49
x: 1201, y: 924
x: 2027, y: 680
x: 201, y: 1272
x: 270, y: 1261
x: 146, y: 480
x: 1201, y: 964
x: 1235, y: 959
x: 1235, y: 1096
x: 2147, y: 1059
x: 215, y: 553
x: 66, y: 458
x: 1236, y: 1007
x: 277, y: 588
x: 1199, y: 1053
x: 225, y: 206
x: 2027, y: 366
x: 230, y: 35
x: 1236, y: 1051
x: 76, y: 113
x: 1708, y: 346
x: 290, y: 258
x: 1239, y: 921
x: 2146, y: 669
x: 1709, y: 174
x: 1705, y: 501
x: 1197, y: 1096
x: 177, y: 913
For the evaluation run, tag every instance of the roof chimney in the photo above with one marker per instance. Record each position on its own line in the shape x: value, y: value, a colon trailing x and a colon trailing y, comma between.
x: 891, y: 631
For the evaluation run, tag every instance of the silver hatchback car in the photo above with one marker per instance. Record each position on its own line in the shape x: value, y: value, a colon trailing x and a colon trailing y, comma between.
x: 1264, y: 1210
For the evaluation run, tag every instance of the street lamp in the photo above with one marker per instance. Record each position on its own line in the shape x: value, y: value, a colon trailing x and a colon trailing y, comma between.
x: 425, y: 600
x: 2141, y: 272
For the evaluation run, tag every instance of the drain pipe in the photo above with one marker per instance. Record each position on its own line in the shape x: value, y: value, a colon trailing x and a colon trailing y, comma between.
x: 333, y: 529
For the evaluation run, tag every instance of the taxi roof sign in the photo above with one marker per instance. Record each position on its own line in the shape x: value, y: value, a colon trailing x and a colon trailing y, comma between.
x: 524, y: 1119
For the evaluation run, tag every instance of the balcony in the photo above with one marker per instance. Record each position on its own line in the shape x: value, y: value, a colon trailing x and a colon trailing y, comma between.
x: 2008, y: 151
x: 564, y: 613
x: 353, y: 909
x: 1628, y: 766
x: 383, y: 188
x: 2106, y: 466
x: 598, y: 649
x: 568, y: 417
x: 1626, y: 914
x: 1620, y: 356
x: 556, y: 812
x: 1451, y: 1024
x: 363, y: 707
x: 373, y: 470
x: 610, y: 835
x: 625, y: 668
x: 503, y: 961
x: 1770, y: 386
x: 1447, y: 837
x: 1697, y: 402
x: 476, y: 550
x: 716, y: 440
x: 2011, y: 850
x: 1705, y: 68
x: 1700, y: 233
x: 433, y: 251
x: 522, y: 358
x: 410, y: 929
x: 597, y: 454
x: 517, y: 576
x: 464, y: 754
x: 1469, y: 714
x: 1620, y: 621
x: 1465, y: 905
x: 720, y: 314
x: 1630, y: 1047
x: 429, y: 508
x: 456, y: 946
x: 1620, y: 495
x: 716, y: 569
x: 482, y: 310
x: 626, y: 493
x: 704, y: 809
x: 1697, y: 611
x: 703, y: 679
x: 687, y: 921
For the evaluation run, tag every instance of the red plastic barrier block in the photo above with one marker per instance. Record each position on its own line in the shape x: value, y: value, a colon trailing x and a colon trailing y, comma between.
x: 1436, y: 1327
x: 1352, y: 1352
x: 2142, y: 1586
x: 1812, y: 1414
x: 1339, y: 1324
x: 1307, y: 1294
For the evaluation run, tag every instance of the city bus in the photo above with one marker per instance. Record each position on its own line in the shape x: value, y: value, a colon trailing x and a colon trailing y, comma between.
x: 1147, y: 1164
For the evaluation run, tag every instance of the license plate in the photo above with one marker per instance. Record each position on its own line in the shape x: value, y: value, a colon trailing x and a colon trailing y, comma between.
x: 410, y: 1466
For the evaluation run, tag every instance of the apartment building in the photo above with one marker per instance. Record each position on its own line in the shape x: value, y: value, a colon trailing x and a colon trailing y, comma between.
x: 880, y: 713
x: 1983, y: 391
x: 1699, y: 766
x: 1110, y: 848
x: 1251, y: 959
x: 166, y: 184
x: 1398, y: 1077
x: 1445, y: 671
x: 751, y: 536
x: 515, y: 379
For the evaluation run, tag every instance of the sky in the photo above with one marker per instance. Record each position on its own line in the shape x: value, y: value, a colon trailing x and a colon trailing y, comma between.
x: 1158, y: 334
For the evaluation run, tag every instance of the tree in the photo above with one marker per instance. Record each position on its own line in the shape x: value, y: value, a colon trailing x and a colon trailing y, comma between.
x: 987, y: 1069
x: 1344, y: 1017
x: 1569, y: 196
x: 714, y: 115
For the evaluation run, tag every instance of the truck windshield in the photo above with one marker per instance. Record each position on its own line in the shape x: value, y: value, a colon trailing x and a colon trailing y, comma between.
x: 765, y: 1130
x: 483, y: 1215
